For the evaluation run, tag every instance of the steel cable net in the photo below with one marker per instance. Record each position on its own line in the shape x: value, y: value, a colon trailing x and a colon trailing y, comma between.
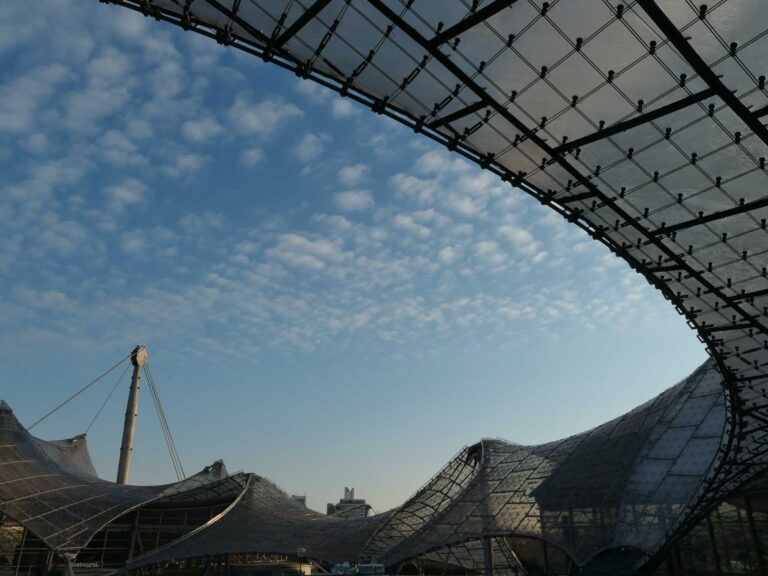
x: 627, y: 483
x: 624, y: 483
x: 427, y: 503
x: 264, y: 519
x: 640, y: 122
x: 51, y: 487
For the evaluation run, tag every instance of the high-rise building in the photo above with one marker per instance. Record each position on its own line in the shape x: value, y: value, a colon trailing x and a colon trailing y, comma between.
x: 349, y: 506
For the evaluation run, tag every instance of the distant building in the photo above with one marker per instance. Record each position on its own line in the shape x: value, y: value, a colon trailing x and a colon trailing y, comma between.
x: 300, y: 499
x: 349, y: 506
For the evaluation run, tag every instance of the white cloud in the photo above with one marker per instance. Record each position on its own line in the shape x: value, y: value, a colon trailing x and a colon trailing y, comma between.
x: 261, y: 118
x: 51, y: 299
x: 128, y: 193
x: 133, y: 243
x: 199, y: 223
x: 353, y: 174
x: 251, y: 156
x: 21, y: 97
x: 467, y: 206
x: 185, y: 164
x: 130, y: 27
x: 118, y: 149
x: 36, y: 143
x: 200, y: 130
x: 64, y: 238
x: 301, y: 251
x: 440, y: 162
x: 447, y: 255
x: 521, y: 239
x: 421, y: 190
x: 294, y: 280
x: 313, y: 90
x: 354, y: 200
x: 406, y: 222
x: 342, y: 109
x: 310, y: 146
x: 491, y: 252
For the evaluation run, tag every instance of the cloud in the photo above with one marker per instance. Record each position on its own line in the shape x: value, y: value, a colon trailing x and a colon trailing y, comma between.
x: 447, y: 255
x: 341, y: 109
x: 146, y: 243
x: 352, y: 174
x: 36, y: 143
x: 354, y: 200
x: 453, y: 185
x: 118, y: 149
x: 407, y: 222
x: 310, y: 146
x: 466, y: 205
x: 128, y: 193
x: 63, y: 237
x: 86, y: 109
x: 489, y: 250
x: 441, y: 162
x: 521, y: 239
x: 185, y: 164
x: 299, y: 250
x: 251, y: 156
x: 133, y: 243
x: 197, y: 224
x: 200, y: 130
x: 50, y: 299
x: 21, y: 97
x: 261, y: 118
x: 430, y: 262
x: 313, y: 90
x: 421, y: 190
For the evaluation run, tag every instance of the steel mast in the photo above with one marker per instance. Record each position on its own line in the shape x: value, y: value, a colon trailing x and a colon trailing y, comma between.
x: 138, y: 359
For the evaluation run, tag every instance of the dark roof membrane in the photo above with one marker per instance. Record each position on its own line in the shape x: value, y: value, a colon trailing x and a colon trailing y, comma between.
x: 266, y: 520
x: 51, y: 487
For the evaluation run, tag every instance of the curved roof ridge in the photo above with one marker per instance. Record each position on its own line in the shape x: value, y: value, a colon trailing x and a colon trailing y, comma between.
x: 48, y: 487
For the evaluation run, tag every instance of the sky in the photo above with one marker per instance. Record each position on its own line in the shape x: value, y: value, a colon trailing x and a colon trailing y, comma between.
x: 327, y: 298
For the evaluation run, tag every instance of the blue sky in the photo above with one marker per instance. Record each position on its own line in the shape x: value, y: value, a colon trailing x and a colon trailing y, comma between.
x: 328, y: 299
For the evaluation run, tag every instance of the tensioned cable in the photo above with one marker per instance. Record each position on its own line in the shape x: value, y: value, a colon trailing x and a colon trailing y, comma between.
x: 175, y: 458
x: 108, y: 397
x: 76, y: 394
x: 152, y: 390
x: 160, y: 418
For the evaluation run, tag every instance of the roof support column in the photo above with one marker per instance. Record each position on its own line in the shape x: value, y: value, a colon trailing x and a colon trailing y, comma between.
x: 488, y: 555
x: 138, y: 359
x: 68, y: 564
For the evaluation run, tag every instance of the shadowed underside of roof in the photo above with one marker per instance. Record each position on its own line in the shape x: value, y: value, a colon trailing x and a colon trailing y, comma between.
x: 266, y: 519
x: 70, y: 454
